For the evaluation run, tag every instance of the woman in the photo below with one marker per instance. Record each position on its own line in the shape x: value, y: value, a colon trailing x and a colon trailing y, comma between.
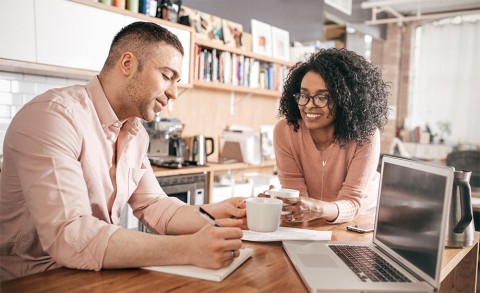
x: 328, y: 145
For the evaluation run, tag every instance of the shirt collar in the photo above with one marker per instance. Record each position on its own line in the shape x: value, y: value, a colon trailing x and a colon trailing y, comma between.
x: 108, y: 119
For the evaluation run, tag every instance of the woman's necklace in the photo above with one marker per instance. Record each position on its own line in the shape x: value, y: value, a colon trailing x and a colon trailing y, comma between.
x: 322, y: 149
x: 324, y: 162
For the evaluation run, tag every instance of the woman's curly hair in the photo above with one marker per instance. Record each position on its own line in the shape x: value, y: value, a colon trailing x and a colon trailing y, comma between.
x: 354, y: 85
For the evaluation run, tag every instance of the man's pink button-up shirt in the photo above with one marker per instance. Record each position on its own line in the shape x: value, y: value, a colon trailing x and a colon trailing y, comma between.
x: 70, y: 166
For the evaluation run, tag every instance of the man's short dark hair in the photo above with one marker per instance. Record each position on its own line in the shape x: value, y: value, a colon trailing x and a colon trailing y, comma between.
x: 139, y: 38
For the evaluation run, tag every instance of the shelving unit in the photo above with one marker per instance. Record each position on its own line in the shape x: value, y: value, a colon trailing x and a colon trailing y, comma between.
x: 221, y: 47
x: 237, y: 89
x: 216, y: 66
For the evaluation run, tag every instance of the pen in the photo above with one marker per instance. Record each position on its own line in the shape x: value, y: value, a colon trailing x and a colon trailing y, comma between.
x: 209, y: 218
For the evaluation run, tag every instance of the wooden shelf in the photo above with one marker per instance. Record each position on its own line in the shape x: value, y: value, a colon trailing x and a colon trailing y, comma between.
x: 127, y: 12
x: 53, y: 70
x: 221, y: 47
x: 45, y: 69
x: 211, y: 167
x: 238, y: 89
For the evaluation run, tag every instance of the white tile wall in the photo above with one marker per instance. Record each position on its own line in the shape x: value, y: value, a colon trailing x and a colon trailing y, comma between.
x: 16, y: 89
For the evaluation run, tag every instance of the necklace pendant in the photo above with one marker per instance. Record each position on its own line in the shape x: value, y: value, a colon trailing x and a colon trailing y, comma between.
x: 324, y: 163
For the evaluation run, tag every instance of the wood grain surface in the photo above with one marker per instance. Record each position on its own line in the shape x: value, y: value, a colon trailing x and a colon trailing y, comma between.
x: 269, y: 270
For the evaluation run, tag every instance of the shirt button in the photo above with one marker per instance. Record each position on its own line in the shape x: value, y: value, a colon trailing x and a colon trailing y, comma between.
x: 115, y: 124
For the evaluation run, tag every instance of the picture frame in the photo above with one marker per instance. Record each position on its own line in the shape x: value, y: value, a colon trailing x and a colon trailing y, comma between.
x: 233, y: 34
x: 191, y: 17
x: 210, y: 27
x: 280, y: 44
x: 301, y: 53
x: 261, y: 38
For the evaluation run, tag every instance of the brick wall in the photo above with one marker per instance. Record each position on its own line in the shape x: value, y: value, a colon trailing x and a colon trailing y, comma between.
x: 390, y: 69
x: 16, y: 89
x: 395, y: 60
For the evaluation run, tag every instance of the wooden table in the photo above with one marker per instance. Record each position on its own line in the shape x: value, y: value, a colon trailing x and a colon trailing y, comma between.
x: 269, y: 270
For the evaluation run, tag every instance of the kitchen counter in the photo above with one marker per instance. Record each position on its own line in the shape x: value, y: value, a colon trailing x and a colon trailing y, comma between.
x: 269, y: 270
x: 214, y: 168
x: 210, y: 167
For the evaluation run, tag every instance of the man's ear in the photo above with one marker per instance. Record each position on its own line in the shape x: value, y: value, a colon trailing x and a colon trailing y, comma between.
x: 128, y: 63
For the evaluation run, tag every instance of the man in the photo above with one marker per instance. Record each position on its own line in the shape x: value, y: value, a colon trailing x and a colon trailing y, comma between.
x: 73, y: 157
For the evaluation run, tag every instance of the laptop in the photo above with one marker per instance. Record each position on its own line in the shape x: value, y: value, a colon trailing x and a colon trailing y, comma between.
x: 408, y: 241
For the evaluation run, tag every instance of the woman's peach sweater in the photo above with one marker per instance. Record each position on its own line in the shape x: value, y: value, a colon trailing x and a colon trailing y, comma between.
x: 345, y: 176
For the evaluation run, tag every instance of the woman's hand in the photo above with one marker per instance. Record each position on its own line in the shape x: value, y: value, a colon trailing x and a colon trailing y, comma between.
x: 230, y: 212
x: 304, y: 209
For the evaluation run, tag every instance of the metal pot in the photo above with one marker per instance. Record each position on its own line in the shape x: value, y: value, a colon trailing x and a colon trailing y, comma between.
x: 197, y: 149
x: 460, y: 228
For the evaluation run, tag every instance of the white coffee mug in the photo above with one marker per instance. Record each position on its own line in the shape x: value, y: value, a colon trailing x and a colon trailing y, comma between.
x: 283, y: 193
x: 263, y: 214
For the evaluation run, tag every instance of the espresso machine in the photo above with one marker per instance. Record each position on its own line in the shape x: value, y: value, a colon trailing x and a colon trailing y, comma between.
x: 166, y: 148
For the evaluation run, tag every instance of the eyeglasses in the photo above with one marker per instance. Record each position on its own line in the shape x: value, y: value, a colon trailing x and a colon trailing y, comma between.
x: 319, y: 101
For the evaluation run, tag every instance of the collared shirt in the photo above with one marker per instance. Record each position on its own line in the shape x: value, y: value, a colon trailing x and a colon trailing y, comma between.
x: 346, y: 176
x: 70, y: 166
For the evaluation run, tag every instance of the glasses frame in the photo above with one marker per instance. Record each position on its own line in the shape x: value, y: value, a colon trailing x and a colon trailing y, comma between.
x: 313, y: 98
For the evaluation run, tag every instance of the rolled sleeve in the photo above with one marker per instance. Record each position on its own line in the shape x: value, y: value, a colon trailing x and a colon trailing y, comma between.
x: 83, y: 245
x: 151, y: 205
x: 347, y: 210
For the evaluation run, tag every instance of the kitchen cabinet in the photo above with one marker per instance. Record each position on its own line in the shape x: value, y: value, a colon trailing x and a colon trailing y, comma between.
x: 74, y: 35
x: 17, y: 30
x: 70, y: 36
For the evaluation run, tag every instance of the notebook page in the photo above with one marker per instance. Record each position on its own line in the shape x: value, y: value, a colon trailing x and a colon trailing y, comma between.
x: 204, y: 273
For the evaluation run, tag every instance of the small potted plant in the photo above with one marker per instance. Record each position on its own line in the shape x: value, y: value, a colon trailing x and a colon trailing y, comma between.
x: 444, y: 128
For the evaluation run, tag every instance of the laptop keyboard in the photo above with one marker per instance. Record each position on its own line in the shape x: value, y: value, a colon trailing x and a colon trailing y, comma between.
x: 367, y: 264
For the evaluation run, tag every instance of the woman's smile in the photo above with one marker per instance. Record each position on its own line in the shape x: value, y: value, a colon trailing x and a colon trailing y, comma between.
x: 312, y: 116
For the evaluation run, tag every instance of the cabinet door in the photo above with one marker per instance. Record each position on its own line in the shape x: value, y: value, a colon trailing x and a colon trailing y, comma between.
x: 74, y: 35
x: 17, y: 30
x: 185, y: 38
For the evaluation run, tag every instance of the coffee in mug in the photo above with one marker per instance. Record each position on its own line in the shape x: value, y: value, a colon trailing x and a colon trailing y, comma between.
x: 263, y: 214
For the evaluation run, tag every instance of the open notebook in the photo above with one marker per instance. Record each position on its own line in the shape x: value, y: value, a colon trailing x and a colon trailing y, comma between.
x: 203, y: 273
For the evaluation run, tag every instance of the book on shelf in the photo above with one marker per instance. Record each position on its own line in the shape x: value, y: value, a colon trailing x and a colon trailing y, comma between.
x: 214, y: 65
x: 196, y: 59
x: 225, y: 67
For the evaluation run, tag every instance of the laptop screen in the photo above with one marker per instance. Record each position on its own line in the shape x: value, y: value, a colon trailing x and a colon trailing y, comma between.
x: 409, y: 216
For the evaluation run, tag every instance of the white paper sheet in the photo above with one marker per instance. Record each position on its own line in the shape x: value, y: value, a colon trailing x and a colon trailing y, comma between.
x: 284, y: 233
x: 203, y: 273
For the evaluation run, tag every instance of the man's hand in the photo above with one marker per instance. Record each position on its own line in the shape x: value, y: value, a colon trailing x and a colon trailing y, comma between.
x: 215, y: 247
x: 230, y: 212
